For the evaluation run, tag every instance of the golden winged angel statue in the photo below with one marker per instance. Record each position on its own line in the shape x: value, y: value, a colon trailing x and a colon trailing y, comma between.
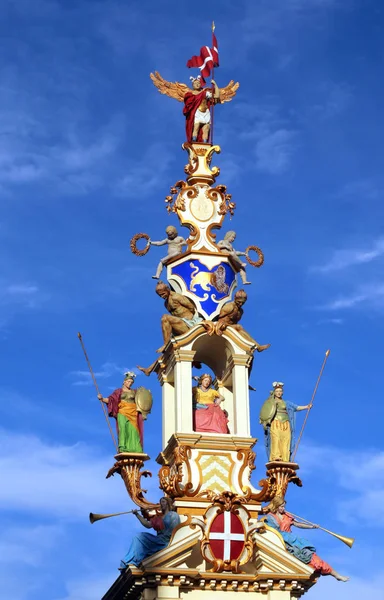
x: 197, y: 102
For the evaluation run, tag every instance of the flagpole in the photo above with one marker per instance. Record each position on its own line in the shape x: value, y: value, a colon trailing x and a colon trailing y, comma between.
x: 213, y: 90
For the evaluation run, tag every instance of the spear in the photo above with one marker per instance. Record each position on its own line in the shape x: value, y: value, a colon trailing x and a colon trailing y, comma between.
x: 97, y: 389
x: 310, y: 405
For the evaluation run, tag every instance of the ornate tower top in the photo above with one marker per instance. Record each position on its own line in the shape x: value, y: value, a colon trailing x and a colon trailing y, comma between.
x: 210, y: 534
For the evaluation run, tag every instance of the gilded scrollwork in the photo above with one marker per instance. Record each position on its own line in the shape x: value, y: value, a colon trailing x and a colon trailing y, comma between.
x: 129, y: 468
x: 200, y: 158
x: 175, y: 200
x: 227, y: 500
x: 279, y: 476
x: 220, y: 193
x: 248, y: 457
x: 172, y: 475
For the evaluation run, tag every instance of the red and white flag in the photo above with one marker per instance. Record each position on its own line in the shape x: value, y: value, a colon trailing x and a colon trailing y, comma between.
x: 206, y: 60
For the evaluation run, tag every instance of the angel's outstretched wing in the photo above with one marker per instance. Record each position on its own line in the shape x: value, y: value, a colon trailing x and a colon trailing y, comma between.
x: 227, y: 93
x: 173, y: 90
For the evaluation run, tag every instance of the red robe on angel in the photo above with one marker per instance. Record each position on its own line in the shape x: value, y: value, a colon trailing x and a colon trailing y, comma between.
x: 191, y: 105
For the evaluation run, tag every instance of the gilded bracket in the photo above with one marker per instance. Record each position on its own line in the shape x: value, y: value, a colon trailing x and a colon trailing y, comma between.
x: 171, y: 476
x: 279, y: 476
x: 129, y: 467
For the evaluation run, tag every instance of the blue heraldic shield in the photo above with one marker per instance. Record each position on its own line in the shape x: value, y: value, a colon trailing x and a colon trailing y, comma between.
x: 209, y: 288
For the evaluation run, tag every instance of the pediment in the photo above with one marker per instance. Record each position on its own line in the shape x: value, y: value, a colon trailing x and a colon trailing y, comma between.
x: 270, y: 556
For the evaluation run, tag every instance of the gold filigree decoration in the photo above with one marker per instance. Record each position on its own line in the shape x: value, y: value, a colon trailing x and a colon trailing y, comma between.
x: 175, y: 201
x: 227, y: 500
x: 202, y: 152
x: 248, y: 457
x: 171, y: 476
x: 129, y: 468
x: 220, y: 193
x: 194, y: 151
x: 266, y: 493
x: 135, y: 239
x: 255, y: 263
x: 279, y: 476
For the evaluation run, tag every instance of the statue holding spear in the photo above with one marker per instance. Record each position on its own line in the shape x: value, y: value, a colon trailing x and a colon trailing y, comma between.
x: 278, y: 418
x: 128, y: 406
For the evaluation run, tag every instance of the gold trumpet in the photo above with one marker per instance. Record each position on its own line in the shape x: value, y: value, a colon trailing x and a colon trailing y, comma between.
x: 347, y: 540
x: 93, y: 517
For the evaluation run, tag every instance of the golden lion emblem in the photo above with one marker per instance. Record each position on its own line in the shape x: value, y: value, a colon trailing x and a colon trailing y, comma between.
x: 215, y: 279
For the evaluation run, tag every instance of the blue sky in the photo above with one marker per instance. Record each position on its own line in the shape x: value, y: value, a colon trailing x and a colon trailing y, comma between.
x: 88, y: 151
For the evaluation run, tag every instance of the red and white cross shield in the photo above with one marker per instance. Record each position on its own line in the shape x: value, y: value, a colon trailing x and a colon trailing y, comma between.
x: 226, y: 536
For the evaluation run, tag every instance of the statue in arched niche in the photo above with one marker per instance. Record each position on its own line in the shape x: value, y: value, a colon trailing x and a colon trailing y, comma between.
x: 208, y: 416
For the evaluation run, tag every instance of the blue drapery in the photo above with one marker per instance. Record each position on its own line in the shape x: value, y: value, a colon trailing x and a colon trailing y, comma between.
x: 298, y: 546
x: 145, y: 544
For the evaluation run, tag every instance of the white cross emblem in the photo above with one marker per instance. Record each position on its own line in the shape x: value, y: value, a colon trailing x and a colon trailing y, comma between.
x: 227, y: 536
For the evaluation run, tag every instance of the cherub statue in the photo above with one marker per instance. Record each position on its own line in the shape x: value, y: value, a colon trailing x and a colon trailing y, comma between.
x: 197, y: 102
x: 175, y: 246
x: 226, y: 245
x: 231, y: 314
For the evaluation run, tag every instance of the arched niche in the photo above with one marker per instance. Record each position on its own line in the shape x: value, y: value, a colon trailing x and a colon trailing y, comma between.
x: 215, y: 352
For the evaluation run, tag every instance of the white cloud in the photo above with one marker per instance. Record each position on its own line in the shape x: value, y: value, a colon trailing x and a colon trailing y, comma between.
x: 60, y: 480
x: 361, y: 189
x: 52, y: 141
x: 147, y: 173
x: 16, y: 543
x: 359, y: 473
x: 345, y: 302
x: 273, y: 151
x: 108, y: 369
x: 21, y: 289
x: 332, y: 321
x: 77, y: 156
x: 371, y: 295
x: 17, y: 296
x: 345, y: 258
x: 337, y: 97
x: 271, y: 133
x: 269, y: 21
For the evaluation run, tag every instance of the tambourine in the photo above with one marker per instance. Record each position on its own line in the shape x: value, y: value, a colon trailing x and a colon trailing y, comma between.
x: 135, y: 239
x: 255, y: 263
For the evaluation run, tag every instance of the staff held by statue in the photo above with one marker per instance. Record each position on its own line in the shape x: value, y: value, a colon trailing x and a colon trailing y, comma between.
x: 97, y: 388
x: 311, y: 404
